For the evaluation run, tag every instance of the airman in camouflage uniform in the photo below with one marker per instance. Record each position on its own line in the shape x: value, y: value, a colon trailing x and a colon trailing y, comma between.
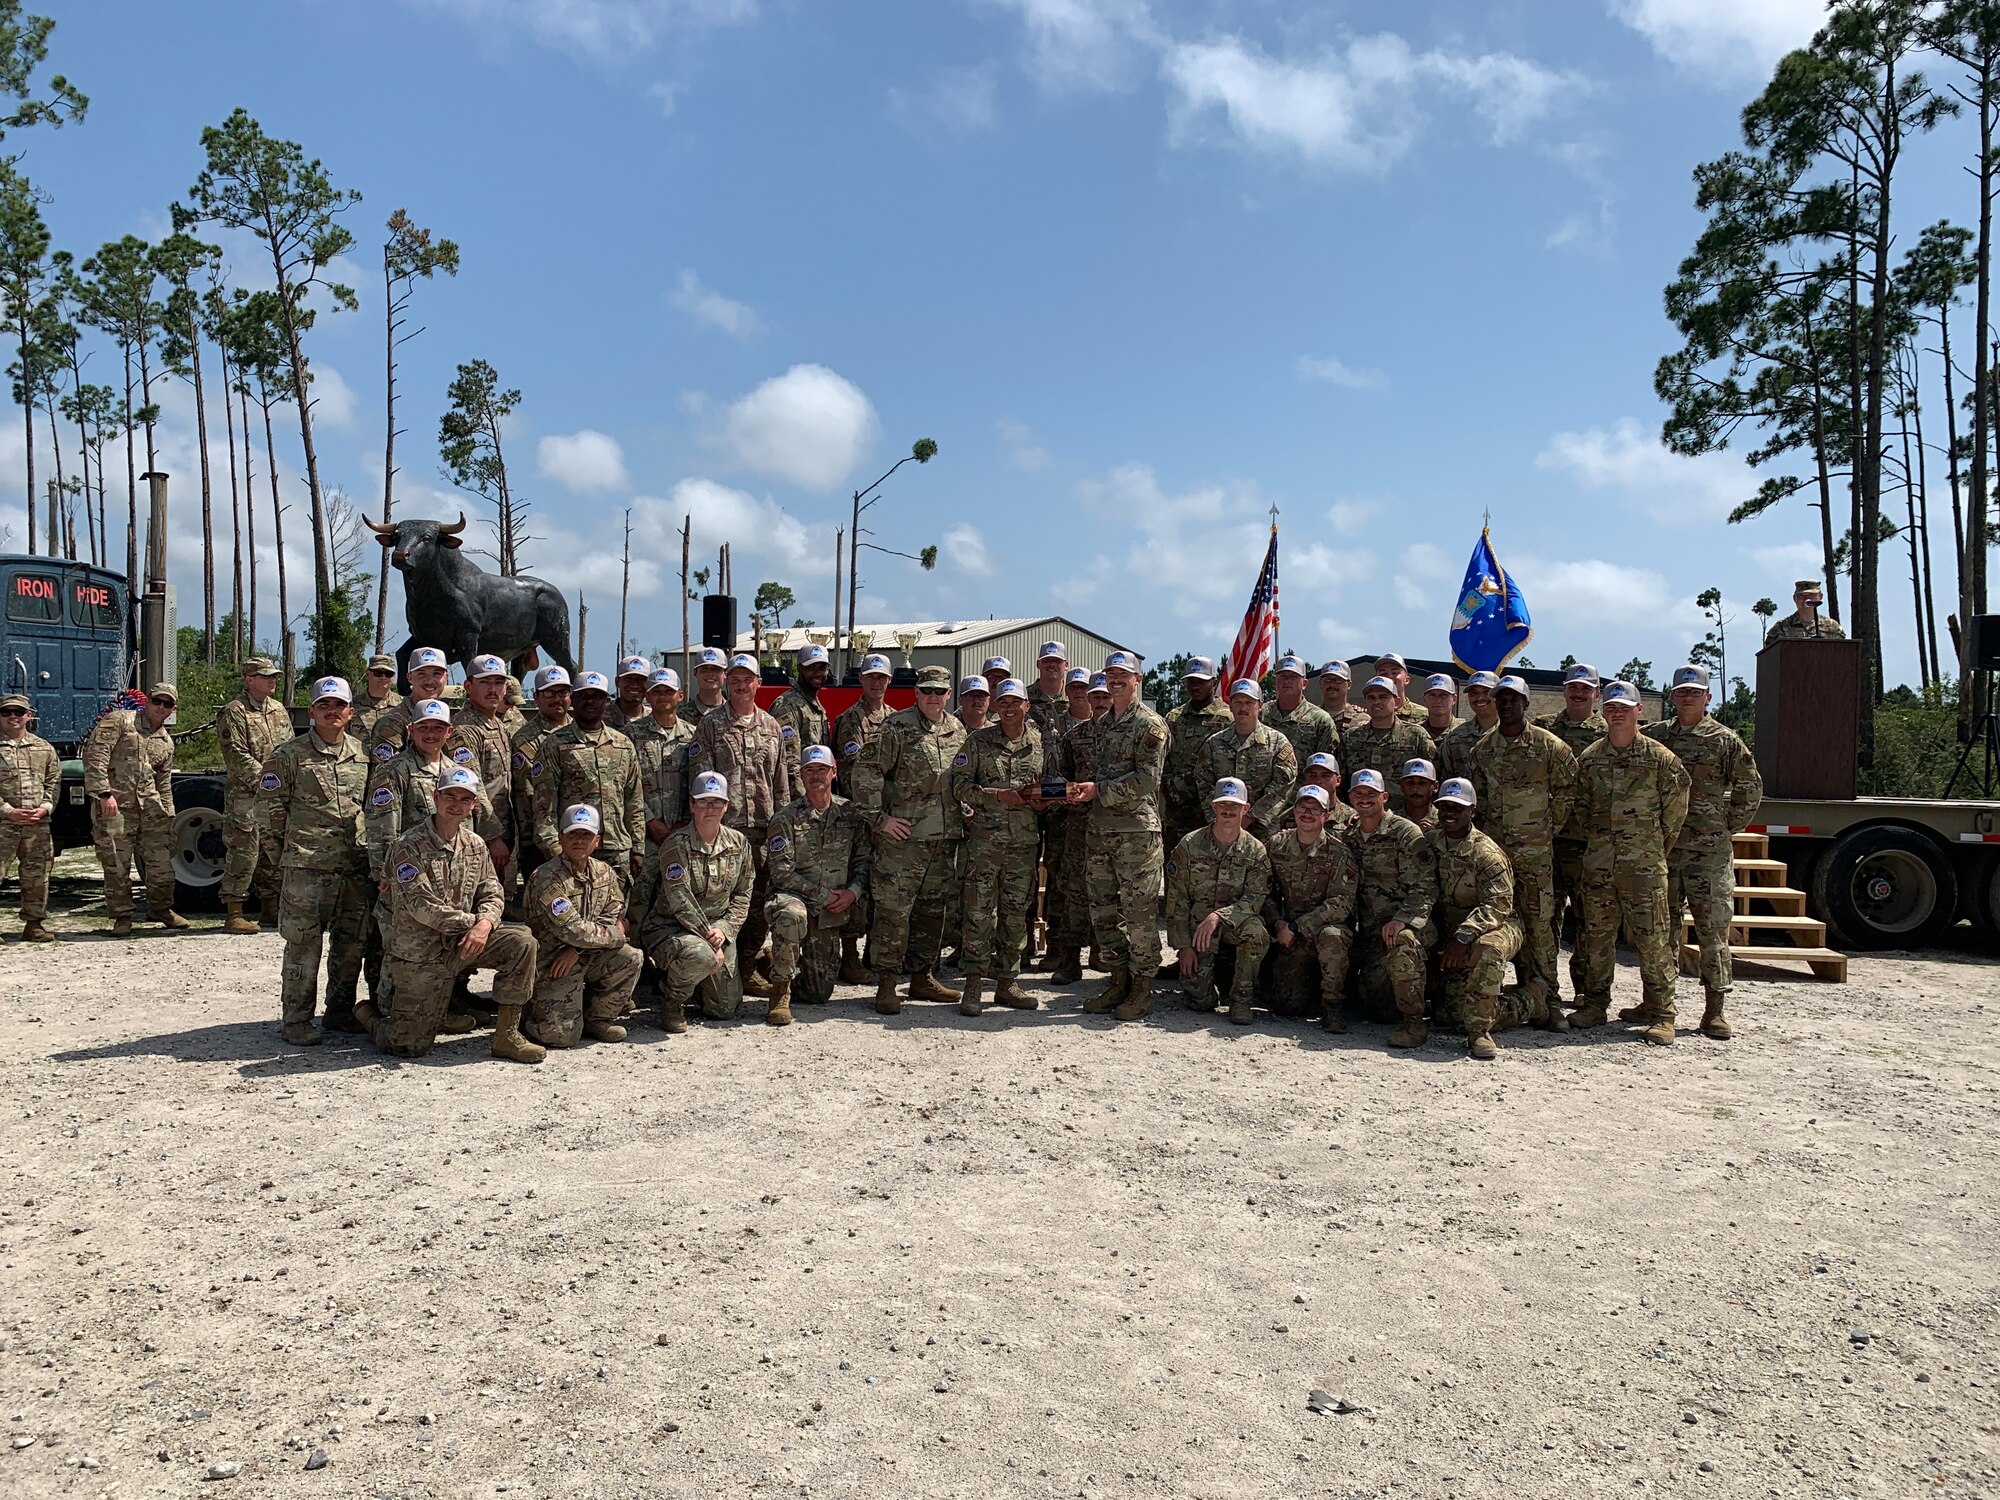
x: 629, y: 705
x: 855, y: 730
x: 1805, y: 622
x: 1440, y: 707
x: 1048, y: 701
x: 1048, y: 708
x: 429, y: 673
x: 1310, y: 913
x: 1633, y: 795
x: 1525, y: 781
x: 1579, y: 726
x: 1396, y: 888
x: 1390, y: 665
x: 585, y: 969
x: 1217, y: 883
x: 743, y: 743
x: 1725, y: 791
x: 1320, y: 769
x: 1123, y: 861
x: 801, y: 719
x: 1075, y: 760
x: 1309, y: 727
x: 590, y: 764
x: 444, y: 922
x: 662, y: 738
x: 903, y: 789
x: 1386, y: 743
x: 527, y: 765
x: 1474, y: 927
x: 1454, y: 757
x: 481, y: 742
x: 402, y: 792
x: 311, y: 797
x: 1185, y: 783
x: 1419, y: 782
x: 1335, y: 681
x: 128, y: 771
x: 819, y: 854
x: 377, y: 700
x: 30, y: 774
x: 1255, y: 754
x: 998, y: 774
x: 249, y: 727
x: 692, y: 903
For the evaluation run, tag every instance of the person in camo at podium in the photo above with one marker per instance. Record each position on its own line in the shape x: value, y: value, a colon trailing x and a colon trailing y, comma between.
x: 1806, y: 623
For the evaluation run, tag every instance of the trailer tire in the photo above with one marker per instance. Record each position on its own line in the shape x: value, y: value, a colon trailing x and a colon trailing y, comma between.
x: 1886, y: 887
x: 1982, y: 901
x: 197, y: 843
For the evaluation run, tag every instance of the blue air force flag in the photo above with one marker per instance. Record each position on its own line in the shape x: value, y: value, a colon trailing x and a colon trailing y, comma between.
x: 1490, y: 626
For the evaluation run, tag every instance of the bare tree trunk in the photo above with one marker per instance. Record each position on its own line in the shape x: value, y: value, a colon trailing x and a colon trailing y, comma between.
x: 278, y: 535
x: 235, y: 518
x: 388, y: 445
x: 207, y: 498
x: 687, y: 659
x: 1911, y: 533
x: 1972, y: 577
x: 582, y: 629
x: 133, y: 585
x: 625, y: 583
x: 56, y: 494
x: 1924, y: 521
x: 146, y: 401
x: 250, y: 510
x: 28, y: 419
x: 838, y: 536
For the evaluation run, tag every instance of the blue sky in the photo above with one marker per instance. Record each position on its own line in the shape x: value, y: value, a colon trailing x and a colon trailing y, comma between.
x: 1143, y: 269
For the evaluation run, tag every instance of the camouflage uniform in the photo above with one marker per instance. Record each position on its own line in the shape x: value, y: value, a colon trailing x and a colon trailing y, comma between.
x: 1123, y: 860
x: 751, y: 752
x: 1183, y: 792
x: 483, y: 742
x: 1792, y: 628
x: 386, y: 738
x: 853, y: 732
x: 662, y: 770
x: 567, y: 910
x: 1633, y: 802
x: 121, y: 756
x: 1387, y: 751
x: 1349, y: 716
x: 690, y: 888
x: 1397, y: 882
x: 906, y: 773
x: 30, y: 775
x: 1725, y: 791
x: 367, y: 714
x: 596, y: 768
x: 1309, y: 727
x: 527, y: 765
x: 1313, y: 887
x: 248, y: 733
x: 1263, y: 761
x: 401, y: 794
x: 438, y: 892
x: 801, y: 722
x: 1452, y: 721
x: 1527, y: 787
x: 1455, y: 749
x: 811, y: 853
x: 621, y: 716
x: 1578, y: 736
x: 1475, y: 904
x: 1046, y: 712
x: 1234, y: 879
x: 997, y: 890
x: 1069, y: 892
x: 311, y: 798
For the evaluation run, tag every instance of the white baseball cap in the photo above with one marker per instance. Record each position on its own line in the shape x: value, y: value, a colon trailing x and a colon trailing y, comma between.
x: 332, y: 687
x: 428, y: 656
x: 550, y: 677
x: 1244, y: 686
x: 665, y: 677
x: 431, y: 711
x: 1052, y: 650
x: 1013, y: 687
x: 583, y: 815
x: 485, y: 666
x: 1229, y: 789
x: 709, y: 784
x: 593, y: 682
x: 877, y: 664
x: 634, y: 666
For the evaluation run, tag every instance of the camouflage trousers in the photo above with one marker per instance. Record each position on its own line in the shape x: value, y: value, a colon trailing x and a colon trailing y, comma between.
x: 996, y: 898
x: 1123, y: 871
x: 1568, y: 882
x: 1704, y: 882
x: 35, y: 847
x: 418, y: 992
x: 914, y: 888
x: 1535, y: 903
x: 322, y: 908
x: 1637, y: 899
x: 116, y: 843
x: 249, y: 857
x: 1470, y: 997
x: 750, y: 941
x: 1310, y: 977
x: 687, y: 968
x: 598, y: 988
x: 1389, y: 979
x: 1069, y: 887
x: 805, y: 946
x: 1251, y: 940
x: 1176, y: 823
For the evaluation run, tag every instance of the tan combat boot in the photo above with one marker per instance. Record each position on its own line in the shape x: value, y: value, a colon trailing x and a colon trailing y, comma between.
x: 1639, y: 1012
x: 1008, y: 992
x: 1241, y: 1006
x: 970, y: 1002
x: 173, y: 921
x: 1414, y: 1032
x: 1138, y: 999
x: 303, y: 1034
x: 508, y: 1041
x: 887, y: 1001
x: 927, y: 986
x: 35, y: 932
x: 1714, y: 1025
x: 455, y: 1022
x: 604, y: 1031
x: 852, y: 970
x: 1544, y: 1010
x: 780, y: 1012
x: 1591, y: 1013
x: 121, y: 926
x: 673, y: 1015
x: 1066, y: 965
x: 1482, y: 1046
x: 237, y: 924
x: 1661, y: 1032
x: 368, y: 1014
x: 1333, y: 1016
x: 1108, y: 999
x: 755, y: 985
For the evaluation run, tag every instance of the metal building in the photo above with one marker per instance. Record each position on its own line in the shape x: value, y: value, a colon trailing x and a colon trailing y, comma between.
x: 959, y: 646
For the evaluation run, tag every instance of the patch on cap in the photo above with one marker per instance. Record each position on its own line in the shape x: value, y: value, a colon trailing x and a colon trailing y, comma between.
x: 815, y: 755
x: 1052, y: 650
x: 812, y: 656
x: 1582, y: 671
x: 1440, y: 682
x: 428, y: 656
x: 1316, y: 795
x: 582, y: 815
x: 1386, y: 684
x: 1199, y: 669
x: 1099, y: 683
x: 743, y: 661
x: 1337, y: 668
x: 485, y: 666
x: 1244, y: 687
x: 878, y: 664
x: 1621, y: 692
x: 327, y: 687
x: 634, y: 666
x: 431, y: 711
x: 1482, y: 680
x: 709, y: 785
x: 1418, y: 767
x: 665, y: 677
x: 970, y: 685
x: 1323, y: 760
x: 459, y: 778
x: 594, y: 682
x: 998, y: 664
x: 1291, y: 664
x: 1393, y: 659
x: 550, y: 677
x: 1366, y: 779
x: 1013, y: 687
x: 1690, y: 675
x: 1229, y: 789
x: 1074, y: 676
x: 1512, y: 684
x: 1121, y: 661
x: 710, y: 656
x: 1458, y: 790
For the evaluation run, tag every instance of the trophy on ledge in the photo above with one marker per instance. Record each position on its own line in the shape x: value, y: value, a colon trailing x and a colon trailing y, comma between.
x: 907, y: 639
x: 775, y: 639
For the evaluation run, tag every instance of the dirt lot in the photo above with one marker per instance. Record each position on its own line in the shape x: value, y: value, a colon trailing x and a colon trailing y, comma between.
x: 1028, y: 1255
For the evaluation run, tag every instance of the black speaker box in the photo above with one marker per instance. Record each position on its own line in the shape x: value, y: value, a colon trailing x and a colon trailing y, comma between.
x: 1986, y: 643
x: 718, y: 621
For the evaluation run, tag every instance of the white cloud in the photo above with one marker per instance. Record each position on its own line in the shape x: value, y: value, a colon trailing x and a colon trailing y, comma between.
x: 1084, y: 44
x: 1785, y: 561
x: 959, y: 101
x: 753, y: 527
x: 706, y: 305
x: 1026, y: 454
x: 1592, y: 592
x: 598, y: 31
x: 808, y: 426
x: 582, y: 461
x: 965, y: 549
x: 332, y: 396
x: 1731, y: 38
x: 1334, y: 372
x: 1634, y: 465
x: 1349, y: 517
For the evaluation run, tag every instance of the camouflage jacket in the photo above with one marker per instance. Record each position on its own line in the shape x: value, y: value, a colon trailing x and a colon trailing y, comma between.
x: 1452, y: 721
x: 906, y: 773
x: 1130, y: 749
x: 1792, y: 628
x: 1632, y: 803
x: 367, y: 714
x: 1046, y: 711
x: 1312, y: 885
x: 30, y: 774
x: 1397, y: 881
x: 663, y: 767
x: 1526, y: 787
x: 120, y: 755
x: 1347, y: 716
x: 1077, y: 758
x: 596, y: 768
x: 990, y: 762
x: 1579, y: 736
x: 1336, y: 815
x: 1189, y: 730
x: 750, y: 751
x: 1455, y: 750
x: 526, y: 762
x: 1205, y: 876
x: 438, y: 892
x: 401, y: 794
x: 1387, y: 751
x: 386, y: 737
x: 618, y: 715
x: 311, y: 797
x: 484, y: 742
x: 1475, y: 885
x: 813, y: 852
x: 691, y: 886
x: 1262, y: 760
x: 566, y: 910
x: 1725, y: 789
x: 853, y: 732
x: 801, y: 722
x: 1309, y: 727
x: 248, y: 733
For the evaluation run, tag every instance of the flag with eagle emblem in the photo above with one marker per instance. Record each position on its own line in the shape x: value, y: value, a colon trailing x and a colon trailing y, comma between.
x: 1490, y: 626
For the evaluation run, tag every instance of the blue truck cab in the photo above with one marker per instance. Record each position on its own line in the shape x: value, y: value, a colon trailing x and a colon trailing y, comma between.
x: 62, y: 642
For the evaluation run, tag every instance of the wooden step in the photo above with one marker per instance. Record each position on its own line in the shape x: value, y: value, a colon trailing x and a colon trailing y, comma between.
x: 1825, y: 963
x: 1762, y: 871
x: 1784, y: 900
x: 1802, y: 931
x: 1752, y: 845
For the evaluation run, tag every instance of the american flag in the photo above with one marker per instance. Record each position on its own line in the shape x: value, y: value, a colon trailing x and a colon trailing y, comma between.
x: 1257, y: 642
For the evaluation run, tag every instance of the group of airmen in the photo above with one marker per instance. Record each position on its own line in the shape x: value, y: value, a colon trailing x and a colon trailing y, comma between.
x: 1384, y: 858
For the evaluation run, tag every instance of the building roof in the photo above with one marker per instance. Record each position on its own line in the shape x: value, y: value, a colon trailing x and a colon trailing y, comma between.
x: 932, y: 635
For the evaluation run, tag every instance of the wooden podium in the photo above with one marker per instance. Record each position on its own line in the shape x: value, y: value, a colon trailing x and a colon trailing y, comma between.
x: 1808, y: 721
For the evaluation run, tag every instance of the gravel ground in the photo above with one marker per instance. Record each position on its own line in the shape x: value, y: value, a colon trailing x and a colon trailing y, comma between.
x: 1033, y: 1254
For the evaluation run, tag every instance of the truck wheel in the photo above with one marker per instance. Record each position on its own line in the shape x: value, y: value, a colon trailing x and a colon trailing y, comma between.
x: 197, y: 843
x: 1886, y: 887
x: 1982, y: 900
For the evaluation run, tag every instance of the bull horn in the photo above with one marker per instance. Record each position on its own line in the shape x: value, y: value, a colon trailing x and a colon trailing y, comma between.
x: 379, y: 530
x: 455, y: 529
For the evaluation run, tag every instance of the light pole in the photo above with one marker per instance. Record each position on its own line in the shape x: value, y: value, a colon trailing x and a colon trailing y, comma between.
x: 922, y: 451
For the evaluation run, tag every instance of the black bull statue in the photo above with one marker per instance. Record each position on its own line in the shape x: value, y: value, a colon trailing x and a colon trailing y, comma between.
x: 452, y: 603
